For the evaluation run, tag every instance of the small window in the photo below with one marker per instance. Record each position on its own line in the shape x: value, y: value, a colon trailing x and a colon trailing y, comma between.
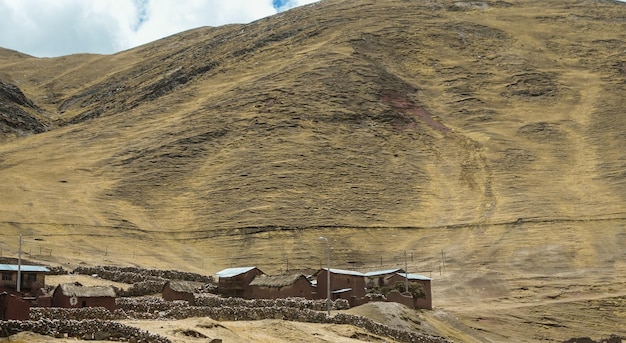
x: 31, y: 277
x: 7, y: 277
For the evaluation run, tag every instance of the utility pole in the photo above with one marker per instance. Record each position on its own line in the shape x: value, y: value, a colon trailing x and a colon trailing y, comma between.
x: 443, y: 261
x: 19, y: 266
x: 328, y: 301
x: 406, y: 275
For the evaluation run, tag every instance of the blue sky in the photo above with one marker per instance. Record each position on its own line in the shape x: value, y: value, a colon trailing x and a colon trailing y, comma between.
x: 63, y: 27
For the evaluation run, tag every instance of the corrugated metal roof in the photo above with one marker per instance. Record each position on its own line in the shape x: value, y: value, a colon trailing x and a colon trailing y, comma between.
x: 344, y: 272
x: 383, y: 272
x: 415, y: 276
x: 343, y: 290
x: 230, y: 272
x: 24, y: 268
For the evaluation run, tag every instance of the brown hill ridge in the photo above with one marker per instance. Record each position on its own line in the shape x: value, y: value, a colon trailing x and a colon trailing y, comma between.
x: 492, y: 130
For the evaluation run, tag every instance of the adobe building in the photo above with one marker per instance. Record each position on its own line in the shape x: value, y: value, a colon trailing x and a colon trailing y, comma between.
x: 43, y: 298
x: 234, y: 282
x: 32, y: 277
x: 420, y: 303
x: 13, y: 308
x: 380, y: 278
x: 180, y: 290
x: 75, y: 295
x: 344, y: 284
x: 282, y: 286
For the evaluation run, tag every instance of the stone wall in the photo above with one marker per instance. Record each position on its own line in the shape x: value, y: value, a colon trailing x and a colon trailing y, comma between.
x: 142, y: 288
x: 229, y: 309
x: 144, y: 281
x: 82, y: 329
x: 300, y: 303
x: 133, y: 275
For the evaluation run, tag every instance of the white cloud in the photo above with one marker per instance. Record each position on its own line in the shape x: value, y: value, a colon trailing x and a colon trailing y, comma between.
x: 167, y: 17
x: 48, y: 28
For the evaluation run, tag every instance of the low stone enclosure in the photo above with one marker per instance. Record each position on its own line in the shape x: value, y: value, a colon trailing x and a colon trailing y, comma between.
x: 89, y: 323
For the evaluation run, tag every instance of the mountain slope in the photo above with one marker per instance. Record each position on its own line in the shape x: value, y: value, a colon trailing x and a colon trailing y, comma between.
x: 452, y: 114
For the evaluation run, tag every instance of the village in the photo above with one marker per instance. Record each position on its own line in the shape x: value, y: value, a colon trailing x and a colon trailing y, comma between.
x: 24, y: 287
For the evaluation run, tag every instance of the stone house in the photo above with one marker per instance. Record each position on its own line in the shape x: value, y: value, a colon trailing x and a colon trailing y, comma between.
x: 180, y: 290
x: 235, y: 282
x: 32, y: 277
x: 282, y: 286
x: 75, y: 295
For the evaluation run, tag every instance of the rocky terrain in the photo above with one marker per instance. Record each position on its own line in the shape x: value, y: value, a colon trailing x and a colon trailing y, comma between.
x: 480, y: 143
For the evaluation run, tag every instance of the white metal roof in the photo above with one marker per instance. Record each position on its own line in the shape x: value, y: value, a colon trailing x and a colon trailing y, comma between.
x: 230, y: 272
x: 23, y: 268
x: 415, y: 276
x: 343, y: 290
x: 383, y: 272
x: 344, y: 272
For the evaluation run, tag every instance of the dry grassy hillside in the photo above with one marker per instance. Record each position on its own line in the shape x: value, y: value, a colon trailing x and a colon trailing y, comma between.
x: 492, y: 131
